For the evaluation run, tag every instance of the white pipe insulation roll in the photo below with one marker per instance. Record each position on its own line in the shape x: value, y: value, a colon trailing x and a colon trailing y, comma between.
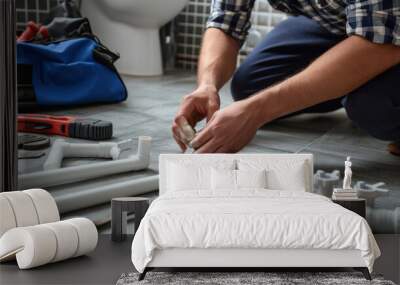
x: 61, y: 176
x: 41, y: 244
x: 26, y: 208
x: 23, y: 208
x: 45, y: 205
x: 7, y: 218
x: 62, y: 149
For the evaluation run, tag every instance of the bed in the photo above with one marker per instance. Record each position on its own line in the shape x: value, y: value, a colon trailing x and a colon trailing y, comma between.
x: 246, y: 211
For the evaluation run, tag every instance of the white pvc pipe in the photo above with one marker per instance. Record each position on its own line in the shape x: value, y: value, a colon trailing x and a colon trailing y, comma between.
x: 62, y: 149
x: 78, y: 173
x: 98, y: 195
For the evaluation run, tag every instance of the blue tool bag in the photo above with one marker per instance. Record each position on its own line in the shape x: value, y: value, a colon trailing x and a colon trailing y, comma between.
x: 70, y: 72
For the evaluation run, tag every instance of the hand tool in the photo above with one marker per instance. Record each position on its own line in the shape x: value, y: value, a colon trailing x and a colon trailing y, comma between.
x: 67, y: 126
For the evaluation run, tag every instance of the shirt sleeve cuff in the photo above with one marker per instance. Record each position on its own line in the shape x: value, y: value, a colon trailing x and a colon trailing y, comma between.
x: 380, y: 27
x: 238, y: 32
x: 237, y: 36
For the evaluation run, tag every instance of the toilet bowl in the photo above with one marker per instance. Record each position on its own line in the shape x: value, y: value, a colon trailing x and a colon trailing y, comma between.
x: 131, y: 28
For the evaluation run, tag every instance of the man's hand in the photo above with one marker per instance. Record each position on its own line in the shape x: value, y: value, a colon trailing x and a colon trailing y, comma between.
x: 229, y: 129
x: 216, y: 65
x: 200, y: 104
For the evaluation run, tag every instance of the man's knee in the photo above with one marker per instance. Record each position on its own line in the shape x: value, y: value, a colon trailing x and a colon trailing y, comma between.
x: 241, y: 83
x: 248, y: 80
x: 374, y: 113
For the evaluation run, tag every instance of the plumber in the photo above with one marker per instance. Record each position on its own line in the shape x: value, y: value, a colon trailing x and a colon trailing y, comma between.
x: 329, y: 54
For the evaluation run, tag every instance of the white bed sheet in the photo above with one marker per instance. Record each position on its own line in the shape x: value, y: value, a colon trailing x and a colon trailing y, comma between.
x: 250, y: 219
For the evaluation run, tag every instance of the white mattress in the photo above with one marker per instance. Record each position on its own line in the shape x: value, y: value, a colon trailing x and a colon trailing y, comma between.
x: 256, y: 219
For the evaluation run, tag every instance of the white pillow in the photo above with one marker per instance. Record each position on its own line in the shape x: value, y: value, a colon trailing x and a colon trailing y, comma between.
x: 186, y: 175
x: 223, y: 179
x: 229, y: 180
x: 183, y: 177
x: 251, y: 178
x: 282, y: 174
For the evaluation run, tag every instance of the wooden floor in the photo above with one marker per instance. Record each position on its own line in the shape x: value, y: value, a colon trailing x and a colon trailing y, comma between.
x: 152, y: 103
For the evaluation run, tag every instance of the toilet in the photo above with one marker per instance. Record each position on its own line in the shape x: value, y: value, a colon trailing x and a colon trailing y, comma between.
x: 131, y: 28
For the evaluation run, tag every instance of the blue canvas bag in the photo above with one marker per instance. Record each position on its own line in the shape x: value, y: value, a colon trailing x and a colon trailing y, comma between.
x: 72, y: 72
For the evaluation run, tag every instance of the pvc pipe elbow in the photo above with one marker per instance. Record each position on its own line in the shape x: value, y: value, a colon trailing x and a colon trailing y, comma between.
x: 60, y: 176
x: 55, y: 156
x: 143, y: 152
x: 62, y: 149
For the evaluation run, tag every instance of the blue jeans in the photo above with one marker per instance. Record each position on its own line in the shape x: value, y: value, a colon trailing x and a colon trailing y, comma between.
x: 293, y: 45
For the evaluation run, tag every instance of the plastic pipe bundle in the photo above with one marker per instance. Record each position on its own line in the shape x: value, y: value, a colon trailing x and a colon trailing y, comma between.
x: 384, y: 220
x: 383, y: 211
x: 370, y: 191
x: 61, y: 176
x: 324, y: 182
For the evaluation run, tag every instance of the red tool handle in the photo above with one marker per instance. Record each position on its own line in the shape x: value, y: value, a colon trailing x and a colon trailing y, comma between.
x: 30, y: 31
x: 45, y: 124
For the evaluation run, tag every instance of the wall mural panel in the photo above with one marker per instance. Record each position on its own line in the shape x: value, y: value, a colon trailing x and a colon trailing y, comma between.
x: 383, y: 200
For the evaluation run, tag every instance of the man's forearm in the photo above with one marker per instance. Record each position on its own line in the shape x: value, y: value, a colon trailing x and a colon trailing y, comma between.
x: 340, y: 70
x: 217, y: 58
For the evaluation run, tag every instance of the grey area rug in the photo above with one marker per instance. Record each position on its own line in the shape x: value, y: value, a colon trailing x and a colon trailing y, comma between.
x: 243, y: 278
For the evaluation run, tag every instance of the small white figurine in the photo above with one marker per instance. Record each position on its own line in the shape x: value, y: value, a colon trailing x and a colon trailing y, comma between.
x: 347, y: 174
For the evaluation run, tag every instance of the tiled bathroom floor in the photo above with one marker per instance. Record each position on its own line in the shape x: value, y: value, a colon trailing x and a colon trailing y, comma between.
x: 152, y: 103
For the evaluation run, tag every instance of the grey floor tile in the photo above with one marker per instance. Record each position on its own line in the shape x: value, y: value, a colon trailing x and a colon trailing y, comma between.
x: 141, y: 101
x: 315, y: 123
x: 164, y: 112
x: 346, y: 133
x: 290, y: 140
x: 351, y: 147
x: 170, y: 77
x: 154, y: 127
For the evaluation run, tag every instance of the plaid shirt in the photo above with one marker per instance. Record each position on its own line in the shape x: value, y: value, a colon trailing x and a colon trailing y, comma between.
x: 375, y: 20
